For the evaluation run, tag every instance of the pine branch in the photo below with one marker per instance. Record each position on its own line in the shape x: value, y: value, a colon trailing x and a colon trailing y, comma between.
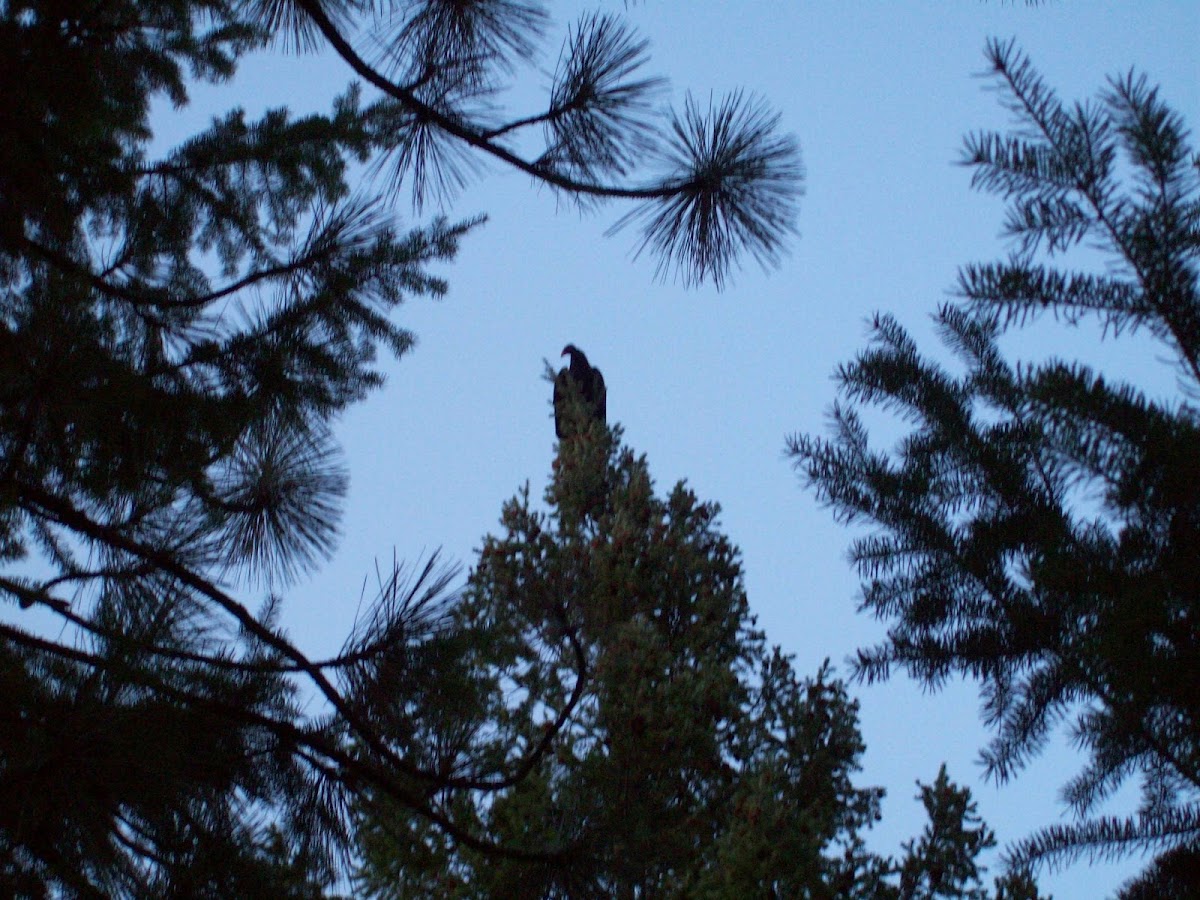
x: 452, y: 125
x: 347, y: 768
x: 735, y: 181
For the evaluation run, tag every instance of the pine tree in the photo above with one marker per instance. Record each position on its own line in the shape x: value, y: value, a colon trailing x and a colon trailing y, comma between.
x: 649, y: 742
x: 1038, y: 526
x: 177, y: 335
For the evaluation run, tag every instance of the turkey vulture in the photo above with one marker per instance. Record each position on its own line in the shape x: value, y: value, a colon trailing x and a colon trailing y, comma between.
x: 579, y: 383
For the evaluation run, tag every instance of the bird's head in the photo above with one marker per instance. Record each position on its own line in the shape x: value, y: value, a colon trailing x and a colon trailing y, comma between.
x: 575, y: 353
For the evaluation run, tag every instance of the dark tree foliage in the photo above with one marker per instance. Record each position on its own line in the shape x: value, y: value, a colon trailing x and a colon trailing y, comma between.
x: 707, y: 186
x: 1172, y: 876
x: 666, y: 750
x: 944, y: 860
x: 177, y: 334
x: 1038, y: 526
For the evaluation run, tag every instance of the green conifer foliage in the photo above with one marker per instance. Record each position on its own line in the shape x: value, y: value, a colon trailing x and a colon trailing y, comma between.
x: 645, y: 740
x: 1037, y: 527
x: 668, y: 751
x: 177, y: 334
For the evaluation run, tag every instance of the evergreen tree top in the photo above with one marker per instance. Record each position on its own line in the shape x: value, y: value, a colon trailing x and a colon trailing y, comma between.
x: 605, y: 653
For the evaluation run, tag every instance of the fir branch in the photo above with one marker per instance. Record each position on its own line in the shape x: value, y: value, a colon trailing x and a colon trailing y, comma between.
x: 1106, y: 839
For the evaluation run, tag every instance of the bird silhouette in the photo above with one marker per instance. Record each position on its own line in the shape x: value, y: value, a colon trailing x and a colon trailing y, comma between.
x: 578, y: 391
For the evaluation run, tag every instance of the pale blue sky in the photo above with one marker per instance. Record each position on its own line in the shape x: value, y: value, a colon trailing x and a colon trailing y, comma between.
x: 708, y: 385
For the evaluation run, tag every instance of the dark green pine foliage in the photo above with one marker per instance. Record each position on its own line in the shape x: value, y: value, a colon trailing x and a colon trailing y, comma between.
x: 175, y: 336
x: 944, y: 860
x: 178, y: 334
x: 646, y: 741
x: 1037, y: 527
x: 665, y: 749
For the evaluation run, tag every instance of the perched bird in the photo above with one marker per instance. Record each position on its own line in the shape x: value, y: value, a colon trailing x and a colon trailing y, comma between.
x: 579, y: 383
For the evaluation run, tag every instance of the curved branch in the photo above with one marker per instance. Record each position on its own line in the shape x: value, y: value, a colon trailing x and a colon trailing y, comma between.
x: 347, y: 769
x: 525, y: 766
x: 36, y: 500
x: 28, y: 597
x: 477, y: 139
x: 134, y: 298
x: 66, y: 514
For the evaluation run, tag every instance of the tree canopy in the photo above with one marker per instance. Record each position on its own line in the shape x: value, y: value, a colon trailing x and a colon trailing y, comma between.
x: 180, y: 329
x: 665, y: 749
x: 178, y: 332
x: 1037, y: 525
